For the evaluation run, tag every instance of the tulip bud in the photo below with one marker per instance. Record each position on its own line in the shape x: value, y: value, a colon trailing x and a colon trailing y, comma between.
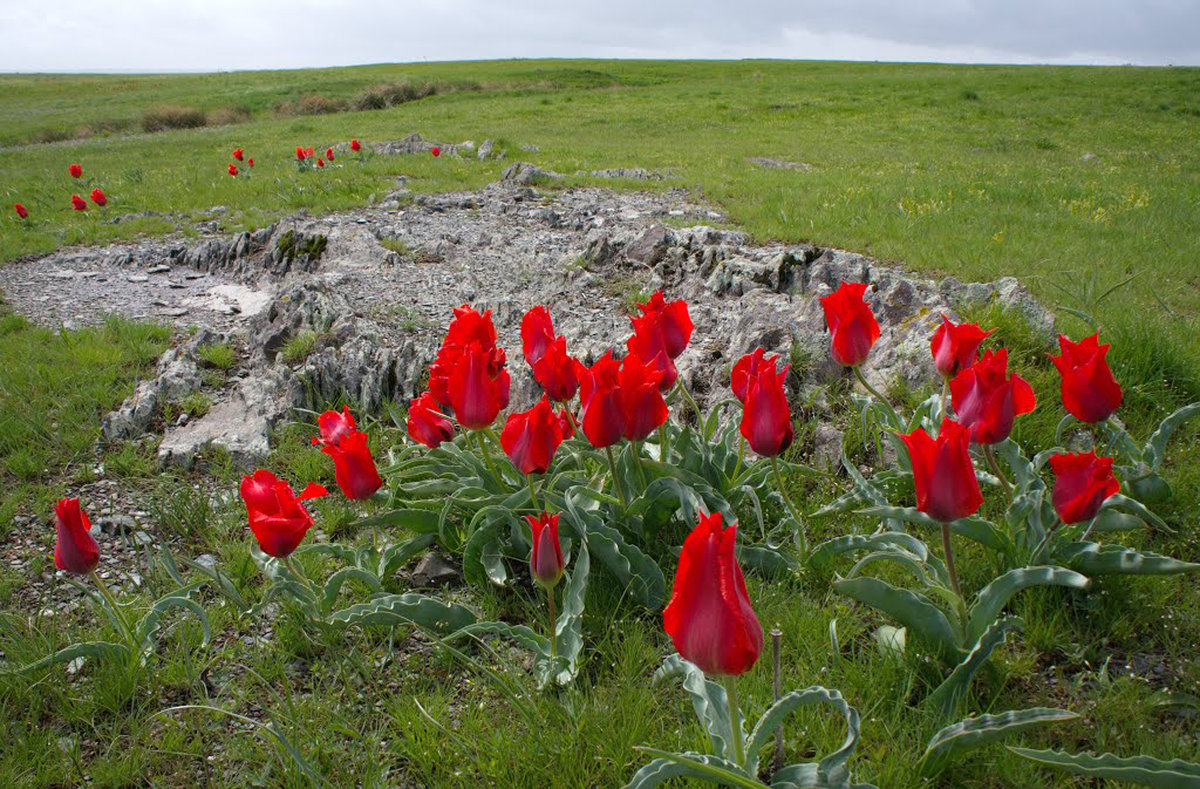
x: 1089, y: 391
x: 74, y: 551
x: 943, y: 473
x: 1082, y: 482
x: 851, y: 324
x: 277, y: 518
x: 546, y: 561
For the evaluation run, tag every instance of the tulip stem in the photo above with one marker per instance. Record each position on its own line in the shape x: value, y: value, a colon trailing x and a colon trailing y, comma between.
x: 532, y: 495
x: 945, y: 397
x: 990, y: 453
x: 735, y: 719
x: 612, y: 467
x: 1036, y: 556
x: 637, y: 459
x: 662, y: 443
x: 553, y: 624
x: 291, y: 568
x: 737, y: 470
x: 487, y: 457
x: 896, y: 423
x: 948, y: 550
x: 688, y: 396
x: 791, y: 507
x: 112, y: 603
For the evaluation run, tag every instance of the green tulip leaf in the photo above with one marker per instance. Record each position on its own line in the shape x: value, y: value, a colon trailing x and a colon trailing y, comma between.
x: 1143, y: 770
x: 992, y: 598
x: 151, y: 624
x: 773, y: 718
x: 972, y: 733
x: 923, y: 619
x: 708, y: 701
x: 1156, y: 447
x: 947, y: 699
x: 426, y: 612
x: 334, y: 585
x: 97, y: 650
x: 1093, y: 558
x: 704, y: 767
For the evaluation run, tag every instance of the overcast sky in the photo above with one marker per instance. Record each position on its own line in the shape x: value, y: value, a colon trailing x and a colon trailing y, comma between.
x: 210, y: 35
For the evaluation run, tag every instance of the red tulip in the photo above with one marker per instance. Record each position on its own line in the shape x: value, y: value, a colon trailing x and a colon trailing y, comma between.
x: 353, y: 466
x: 233, y: 170
x: 558, y: 373
x: 530, y: 438
x: 642, y: 405
x: 21, y: 210
x: 943, y: 473
x: 546, y: 561
x: 355, y: 146
x: 467, y: 327
x: 76, y: 171
x: 710, y: 619
x: 98, y: 198
x: 237, y: 154
x: 277, y: 518
x: 766, y: 417
x: 601, y: 417
x: 851, y: 323
x: 476, y: 392
x: 747, y: 368
x: 299, y: 153
x: 79, y: 203
x: 250, y: 161
x: 1082, y: 482
x: 426, y: 425
x: 987, y: 399
x: 537, y: 332
x: 320, y: 162
x: 436, y: 151
x: 1089, y: 391
x: 649, y: 343
x: 334, y: 426
x: 309, y: 152
x: 673, y: 322
x: 954, y: 346
x: 329, y: 154
x: 75, y: 551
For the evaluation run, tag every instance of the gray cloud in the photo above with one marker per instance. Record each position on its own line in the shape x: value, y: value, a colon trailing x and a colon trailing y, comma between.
x: 121, y: 35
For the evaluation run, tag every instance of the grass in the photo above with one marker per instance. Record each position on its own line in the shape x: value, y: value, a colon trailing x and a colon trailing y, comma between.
x: 974, y: 172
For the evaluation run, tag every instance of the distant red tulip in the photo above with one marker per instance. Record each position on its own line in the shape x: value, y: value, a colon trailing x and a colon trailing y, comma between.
x: 954, y: 346
x: 530, y: 438
x: 710, y: 619
x: 329, y: 154
x: 943, y: 473
x: 470, y: 326
x: 277, y: 518
x: 558, y: 373
x: 300, y: 153
x: 987, y: 399
x: 250, y: 161
x: 747, y: 368
x: 766, y: 418
x: 74, y: 551
x: 851, y: 323
x: 672, y: 320
x: 98, y: 198
x: 233, y: 170
x: 75, y: 170
x: 601, y: 417
x: 477, y: 391
x: 537, y: 332
x: 1089, y: 390
x: 320, y: 162
x: 436, y: 151
x: 1082, y: 482
x: 21, y: 210
x: 79, y: 203
x: 355, y: 146
x: 642, y: 406
x: 426, y: 425
x: 649, y: 343
x: 546, y: 560
x: 237, y: 154
x: 309, y: 152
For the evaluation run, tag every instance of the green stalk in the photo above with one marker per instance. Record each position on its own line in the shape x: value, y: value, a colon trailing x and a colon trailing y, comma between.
x: 737, y: 470
x: 532, y: 495
x: 945, y: 397
x: 1036, y: 556
x: 487, y: 457
x: 948, y: 550
x: 862, y: 380
x: 553, y: 624
x: 112, y: 603
x: 637, y: 459
x: 612, y: 467
x: 990, y: 453
x: 662, y: 442
x: 791, y: 507
x: 688, y: 396
x: 735, y: 723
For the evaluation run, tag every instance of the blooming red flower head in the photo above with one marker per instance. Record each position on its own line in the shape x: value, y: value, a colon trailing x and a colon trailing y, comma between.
x: 537, y: 332
x: 851, y: 323
x: 233, y: 170
x: 546, y: 561
x: 21, y: 210
x: 75, y: 551
x: 1082, y: 482
x: 558, y: 373
x: 329, y: 154
x: 642, y: 405
x: 300, y: 153
x: 649, y: 343
x: 1089, y: 391
x: 601, y: 417
x: 477, y: 390
x: 943, y: 473
x: 436, y: 151
x: 671, y: 320
x: 530, y: 438
x: 98, y: 198
x: 766, y: 417
x: 353, y: 466
x: 747, y: 368
x: 78, y: 203
x: 320, y: 162
x: 954, y: 346
x: 277, y: 518
x: 355, y: 146
x: 309, y: 152
x: 710, y: 619
x: 470, y: 326
x: 987, y: 399
x: 333, y: 426
x: 250, y: 161
x: 75, y: 170
x: 238, y: 153
x: 467, y: 327
x: 426, y: 425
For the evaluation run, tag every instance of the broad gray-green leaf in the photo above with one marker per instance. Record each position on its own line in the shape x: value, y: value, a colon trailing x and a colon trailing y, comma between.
x: 522, y: 634
x: 568, y: 630
x: 971, y: 733
x: 419, y: 521
x: 992, y: 598
x: 702, y: 766
x: 773, y: 718
x: 923, y: 619
x: 97, y: 650
x: 396, y: 556
x: 1156, y: 447
x: 708, y: 700
x: 627, y: 561
x: 148, y: 628
x: 1093, y: 558
x: 480, y: 556
x: 1144, y: 770
x: 830, y: 549
x: 334, y: 585
x: 948, y: 697
x: 808, y: 776
x: 409, y: 608
x: 1111, y: 520
x: 1134, y: 507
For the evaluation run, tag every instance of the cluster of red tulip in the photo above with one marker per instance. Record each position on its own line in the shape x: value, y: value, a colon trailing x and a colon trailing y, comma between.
x: 307, y: 158
x: 248, y: 161
x: 77, y: 203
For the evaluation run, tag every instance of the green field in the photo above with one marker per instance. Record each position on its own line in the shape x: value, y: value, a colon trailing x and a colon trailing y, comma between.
x: 1082, y: 182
